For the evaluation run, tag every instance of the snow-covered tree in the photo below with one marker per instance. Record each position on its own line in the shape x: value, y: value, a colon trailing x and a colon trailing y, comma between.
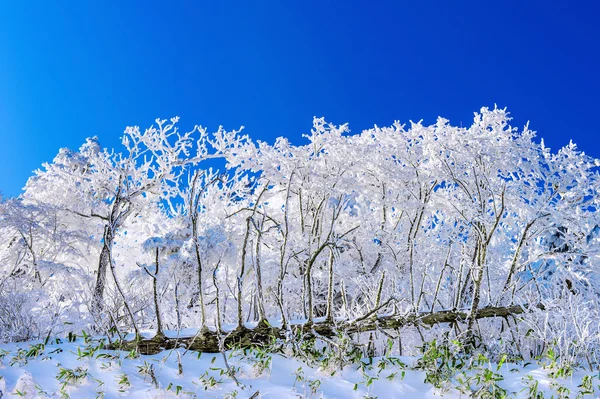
x: 108, y: 186
x: 408, y: 221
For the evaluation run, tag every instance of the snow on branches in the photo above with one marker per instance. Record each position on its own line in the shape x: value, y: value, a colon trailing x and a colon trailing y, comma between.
x: 401, y: 220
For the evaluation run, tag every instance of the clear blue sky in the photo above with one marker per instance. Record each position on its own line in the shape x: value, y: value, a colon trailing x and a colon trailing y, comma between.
x: 78, y: 69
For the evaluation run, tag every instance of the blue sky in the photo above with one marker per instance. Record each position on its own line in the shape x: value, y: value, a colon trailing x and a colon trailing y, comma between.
x: 73, y: 70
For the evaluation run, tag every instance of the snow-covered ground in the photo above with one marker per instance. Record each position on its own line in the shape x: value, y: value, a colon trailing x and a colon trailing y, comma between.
x: 79, y: 370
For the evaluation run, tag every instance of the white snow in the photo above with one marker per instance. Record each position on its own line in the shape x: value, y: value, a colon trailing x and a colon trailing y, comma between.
x: 113, y: 374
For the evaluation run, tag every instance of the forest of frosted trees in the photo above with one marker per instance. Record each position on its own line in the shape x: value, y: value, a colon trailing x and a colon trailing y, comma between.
x: 409, y: 232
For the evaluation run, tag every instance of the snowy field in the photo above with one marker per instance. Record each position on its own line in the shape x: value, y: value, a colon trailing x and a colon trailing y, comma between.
x: 83, y: 370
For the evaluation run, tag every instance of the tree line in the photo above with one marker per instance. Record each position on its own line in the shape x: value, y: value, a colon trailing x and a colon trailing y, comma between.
x: 394, y: 223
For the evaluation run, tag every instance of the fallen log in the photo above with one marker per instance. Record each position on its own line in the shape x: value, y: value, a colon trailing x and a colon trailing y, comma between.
x: 208, y: 341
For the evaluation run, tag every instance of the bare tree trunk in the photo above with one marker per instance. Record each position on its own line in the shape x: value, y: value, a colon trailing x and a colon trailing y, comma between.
x: 483, y: 243
x: 217, y: 297
x: 329, y: 312
x: 200, y: 287
x: 309, y: 293
x: 282, y: 261
x: 193, y: 200
x: 240, y: 277
x: 103, y: 263
x: 477, y: 281
x: 154, y: 276
x: 259, y: 289
x: 125, y: 303
x: 177, y: 311
x: 159, y: 327
x: 116, y: 217
x: 29, y: 244
x: 515, y: 260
